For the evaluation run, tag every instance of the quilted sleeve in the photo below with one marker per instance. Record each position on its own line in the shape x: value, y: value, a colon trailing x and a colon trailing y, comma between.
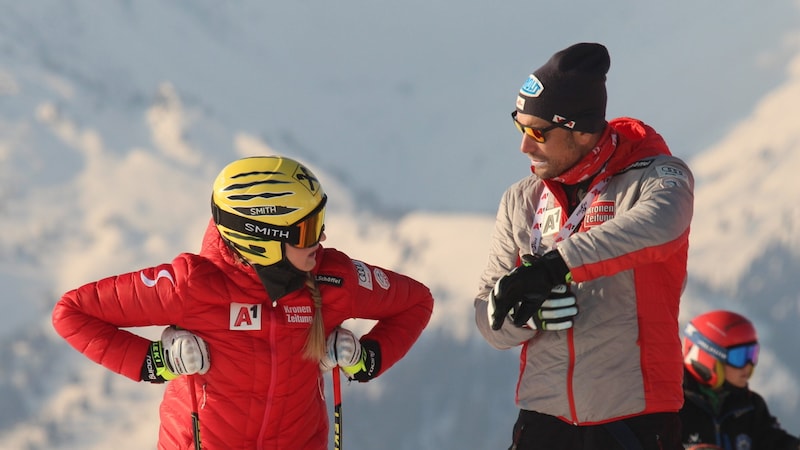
x: 92, y: 317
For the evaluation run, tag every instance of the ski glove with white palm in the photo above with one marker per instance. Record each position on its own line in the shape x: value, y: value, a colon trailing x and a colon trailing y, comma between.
x: 523, y: 292
x: 556, y: 313
x: 179, y: 352
x: 361, y: 361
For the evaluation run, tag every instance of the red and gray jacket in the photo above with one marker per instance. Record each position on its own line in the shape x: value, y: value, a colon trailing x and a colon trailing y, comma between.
x: 260, y: 393
x: 628, y: 260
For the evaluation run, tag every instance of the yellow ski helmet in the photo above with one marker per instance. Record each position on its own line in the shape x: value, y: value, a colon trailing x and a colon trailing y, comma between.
x: 260, y: 203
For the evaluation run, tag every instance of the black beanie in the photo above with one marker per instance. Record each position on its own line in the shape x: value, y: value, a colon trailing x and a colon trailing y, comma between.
x: 570, y: 88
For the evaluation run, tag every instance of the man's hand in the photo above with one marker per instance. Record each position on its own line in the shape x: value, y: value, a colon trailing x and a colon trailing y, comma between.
x: 529, y: 284
x: 555, y: 313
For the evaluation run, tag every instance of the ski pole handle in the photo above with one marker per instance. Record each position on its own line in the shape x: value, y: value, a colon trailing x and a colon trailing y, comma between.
x: 337, y: 409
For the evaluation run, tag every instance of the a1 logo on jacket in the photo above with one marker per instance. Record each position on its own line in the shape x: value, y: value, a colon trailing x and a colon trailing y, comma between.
x: 245, y: 316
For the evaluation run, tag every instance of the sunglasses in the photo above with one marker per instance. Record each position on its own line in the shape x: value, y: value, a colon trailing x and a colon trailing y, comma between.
x: 537, y: 134
x: 742, y: 355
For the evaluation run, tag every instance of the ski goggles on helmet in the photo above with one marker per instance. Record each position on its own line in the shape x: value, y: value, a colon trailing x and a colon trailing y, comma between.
x: 737, y: 356
x: 310, y: 228
x: 302, y: 234
x: 537, y: 134
x: 742, y: 355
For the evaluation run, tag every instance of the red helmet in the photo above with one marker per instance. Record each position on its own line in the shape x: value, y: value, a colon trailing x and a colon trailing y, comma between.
x: 714, y: 339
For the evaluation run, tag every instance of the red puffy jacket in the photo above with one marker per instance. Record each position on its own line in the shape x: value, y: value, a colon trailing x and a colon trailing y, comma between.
x: 260, y: 393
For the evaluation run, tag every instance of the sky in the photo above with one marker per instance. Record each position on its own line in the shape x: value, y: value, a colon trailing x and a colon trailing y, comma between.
x: 115, y: 118
x: 407, y: 96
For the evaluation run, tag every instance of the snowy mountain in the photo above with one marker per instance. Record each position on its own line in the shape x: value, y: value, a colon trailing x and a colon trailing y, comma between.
x: 116, y: 116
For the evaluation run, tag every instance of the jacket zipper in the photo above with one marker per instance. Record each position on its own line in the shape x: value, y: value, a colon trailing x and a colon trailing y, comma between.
x: 272, y: 380
x: 571, y: 375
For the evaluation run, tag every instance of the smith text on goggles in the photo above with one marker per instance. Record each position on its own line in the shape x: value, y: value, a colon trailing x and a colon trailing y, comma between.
x: 302, y: 234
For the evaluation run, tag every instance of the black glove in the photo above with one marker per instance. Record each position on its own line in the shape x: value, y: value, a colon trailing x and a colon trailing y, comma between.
x: 528, y: 285
x: 556, y: 312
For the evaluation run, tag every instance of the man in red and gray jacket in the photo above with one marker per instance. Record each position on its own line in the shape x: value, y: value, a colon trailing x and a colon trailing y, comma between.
x: 586, y: 267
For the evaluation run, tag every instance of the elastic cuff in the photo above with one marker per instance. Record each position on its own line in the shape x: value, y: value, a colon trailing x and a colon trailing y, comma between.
x: 148, y: 372
x: 154, y: 364
x: 372, y: 361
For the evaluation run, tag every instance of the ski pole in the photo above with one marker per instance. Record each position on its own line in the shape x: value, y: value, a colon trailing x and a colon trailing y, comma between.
x: 195, y: 415
x: 337, y: 410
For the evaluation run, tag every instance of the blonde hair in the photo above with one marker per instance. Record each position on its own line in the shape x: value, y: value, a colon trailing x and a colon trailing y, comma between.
x: 314, y: 348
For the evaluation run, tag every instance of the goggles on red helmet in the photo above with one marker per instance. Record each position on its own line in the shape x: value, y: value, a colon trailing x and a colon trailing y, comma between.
x: 742, y: 355
x: 737, y: 356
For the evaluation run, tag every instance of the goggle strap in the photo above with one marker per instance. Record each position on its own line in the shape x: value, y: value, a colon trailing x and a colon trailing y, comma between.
x: 256, y: 228
x: 705, y: 344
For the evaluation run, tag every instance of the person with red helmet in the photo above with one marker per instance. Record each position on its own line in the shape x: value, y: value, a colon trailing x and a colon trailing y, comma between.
x: 254, y: 317
x: 720, y: 351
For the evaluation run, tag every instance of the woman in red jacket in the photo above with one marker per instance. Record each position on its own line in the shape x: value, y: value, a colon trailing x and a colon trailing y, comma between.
x: 259, y: 298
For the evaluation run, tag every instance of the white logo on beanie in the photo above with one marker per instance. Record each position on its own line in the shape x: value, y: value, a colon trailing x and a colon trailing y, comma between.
x: 563, y: 121
x: 532, y: 87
